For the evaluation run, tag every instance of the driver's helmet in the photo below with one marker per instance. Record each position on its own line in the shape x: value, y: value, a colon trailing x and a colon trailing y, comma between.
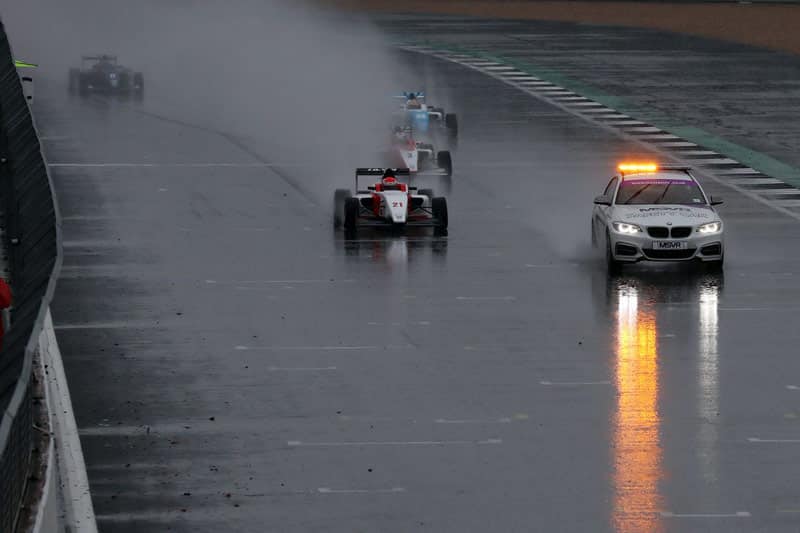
x: 389, y: 173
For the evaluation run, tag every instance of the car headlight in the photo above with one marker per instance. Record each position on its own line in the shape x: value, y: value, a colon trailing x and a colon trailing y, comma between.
x: 624, y: 227
x: 711, y: 227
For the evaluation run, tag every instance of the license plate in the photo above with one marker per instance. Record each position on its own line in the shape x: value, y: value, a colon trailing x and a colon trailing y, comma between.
x: 669, y: 245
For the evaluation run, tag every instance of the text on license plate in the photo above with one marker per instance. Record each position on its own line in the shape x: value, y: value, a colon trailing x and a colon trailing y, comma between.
x: 669, y: 245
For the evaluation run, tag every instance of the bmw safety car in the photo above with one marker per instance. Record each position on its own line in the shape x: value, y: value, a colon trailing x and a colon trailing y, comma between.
x: 427, y: 119
x: 653, y: 213
x: 388, y: 203
x: 102, y: 74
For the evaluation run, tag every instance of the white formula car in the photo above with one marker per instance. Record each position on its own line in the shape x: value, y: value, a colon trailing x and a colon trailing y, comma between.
x: 656, y: 214
x: 417, y: 156
x: 388, y: 203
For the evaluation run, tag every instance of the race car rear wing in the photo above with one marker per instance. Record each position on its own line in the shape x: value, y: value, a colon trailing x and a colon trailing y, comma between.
x: 379, y: 172
x: 102, y: 57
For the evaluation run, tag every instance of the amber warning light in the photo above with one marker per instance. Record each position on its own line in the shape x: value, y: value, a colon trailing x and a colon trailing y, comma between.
x: 637, y: 167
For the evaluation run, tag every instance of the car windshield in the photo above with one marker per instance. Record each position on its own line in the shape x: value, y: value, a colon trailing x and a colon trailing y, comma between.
x: 659, y: 191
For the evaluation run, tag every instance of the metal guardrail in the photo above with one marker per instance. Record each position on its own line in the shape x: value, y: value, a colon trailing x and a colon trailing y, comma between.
x: 33, y: 240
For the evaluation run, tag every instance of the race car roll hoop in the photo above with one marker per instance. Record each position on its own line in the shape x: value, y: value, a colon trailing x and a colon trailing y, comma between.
x: 389, y: 203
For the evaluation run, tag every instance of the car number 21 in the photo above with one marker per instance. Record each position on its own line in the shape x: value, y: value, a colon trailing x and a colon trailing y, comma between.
x: 397, y: 204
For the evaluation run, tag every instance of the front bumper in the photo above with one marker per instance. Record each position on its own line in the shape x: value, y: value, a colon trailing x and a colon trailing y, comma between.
x: 639, y: 247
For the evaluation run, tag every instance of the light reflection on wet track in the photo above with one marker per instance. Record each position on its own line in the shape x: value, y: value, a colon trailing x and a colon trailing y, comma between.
x: 638, y: 467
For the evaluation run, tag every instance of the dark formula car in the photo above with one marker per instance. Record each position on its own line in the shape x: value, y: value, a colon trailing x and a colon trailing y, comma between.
x: 102, y: 74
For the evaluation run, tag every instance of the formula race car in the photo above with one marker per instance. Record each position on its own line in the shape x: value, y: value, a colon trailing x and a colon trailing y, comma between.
x: 656, y: 214
x: 427, y: 119
x: 417, y: 156
x: 388, y: 203
x: 102, y: 74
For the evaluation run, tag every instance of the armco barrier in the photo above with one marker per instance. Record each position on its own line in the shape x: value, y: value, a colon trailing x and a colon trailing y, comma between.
x: 33, y: 240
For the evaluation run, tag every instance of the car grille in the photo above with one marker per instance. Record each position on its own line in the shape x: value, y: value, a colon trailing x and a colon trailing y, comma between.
x: 658, y: 232
x: 661, y: 232
x: 669, y: 254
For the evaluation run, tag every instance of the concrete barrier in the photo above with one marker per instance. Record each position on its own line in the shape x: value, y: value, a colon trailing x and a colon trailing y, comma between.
x: 66, y: 504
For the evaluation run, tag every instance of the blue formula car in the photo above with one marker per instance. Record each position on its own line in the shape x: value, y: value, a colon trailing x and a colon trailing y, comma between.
x: 428, y: 120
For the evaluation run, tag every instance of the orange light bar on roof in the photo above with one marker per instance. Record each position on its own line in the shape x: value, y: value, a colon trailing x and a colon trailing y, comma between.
x: 637, y: 167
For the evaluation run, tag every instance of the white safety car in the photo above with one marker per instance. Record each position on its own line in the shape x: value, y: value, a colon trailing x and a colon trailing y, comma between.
x: 653, y: 213
x: 388, y: 203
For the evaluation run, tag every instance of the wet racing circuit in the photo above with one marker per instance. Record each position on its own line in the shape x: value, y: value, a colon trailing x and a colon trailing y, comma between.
x: 237, y: 365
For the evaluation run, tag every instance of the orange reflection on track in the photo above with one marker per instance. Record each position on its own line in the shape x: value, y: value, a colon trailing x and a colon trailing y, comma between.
x: 637, y: 449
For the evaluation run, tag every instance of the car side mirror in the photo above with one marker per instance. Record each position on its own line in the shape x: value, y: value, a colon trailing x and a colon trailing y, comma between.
x: 716, y: 201
x: 370, y: 188
x: 602, y: 200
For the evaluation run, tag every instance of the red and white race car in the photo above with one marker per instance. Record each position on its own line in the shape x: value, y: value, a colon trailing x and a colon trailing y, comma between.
x: 417, y: 156
x: 388, y: 203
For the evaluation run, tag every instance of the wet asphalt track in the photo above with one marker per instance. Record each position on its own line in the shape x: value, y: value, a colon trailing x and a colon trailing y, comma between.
x: 238, y: 366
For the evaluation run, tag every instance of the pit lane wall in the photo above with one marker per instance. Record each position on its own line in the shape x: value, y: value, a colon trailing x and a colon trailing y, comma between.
x: 32, y: 242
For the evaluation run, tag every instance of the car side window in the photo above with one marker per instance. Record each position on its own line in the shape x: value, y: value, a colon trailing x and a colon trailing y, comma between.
x: 610, y: 187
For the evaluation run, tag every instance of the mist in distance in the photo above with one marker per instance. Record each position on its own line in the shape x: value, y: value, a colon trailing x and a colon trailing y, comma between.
x: 299, y: 85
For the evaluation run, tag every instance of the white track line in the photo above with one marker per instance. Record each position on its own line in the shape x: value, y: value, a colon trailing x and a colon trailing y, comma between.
x: 340, y: 444
x: 573, y: 383
x: 737, y: 514
x: 301, y: 369
x: 393, y: 490
x: 332, y: 348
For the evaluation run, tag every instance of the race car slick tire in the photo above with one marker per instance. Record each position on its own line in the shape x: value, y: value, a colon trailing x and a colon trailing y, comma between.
x: 612, y: 265
x: 594, y: 235
x: 451, y: 123
x: 83, y: 86
x: 350, y: 215
x: 439, y: 209
x: 74, y: 80
x: 427, y: 192
x: 339, y: 199
x: 445, y: 162
x: 138, y: 86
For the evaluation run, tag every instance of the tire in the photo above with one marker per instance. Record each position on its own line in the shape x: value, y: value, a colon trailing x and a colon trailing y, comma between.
x: 138, y: 86
x: 426, y: 192
x: 451, y: 125
x: 445, y: 161
x: 715, y: 267
x: 612, y: 265
x: 351, y: 215
x: 594, y: 236
x: 74, y: 80
x: 83, y: 85
x: 439, y: 209
x: 339, y: 199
